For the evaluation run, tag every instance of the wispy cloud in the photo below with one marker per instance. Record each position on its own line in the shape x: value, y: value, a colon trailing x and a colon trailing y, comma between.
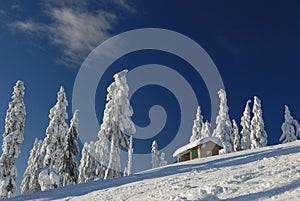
x: 74, y: 28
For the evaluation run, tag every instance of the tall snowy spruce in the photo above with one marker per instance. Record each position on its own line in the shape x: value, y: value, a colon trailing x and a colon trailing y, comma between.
x: 54, y: 143
x: 223, y: 128
x: 155, y: 155
x: 30, y: 183
x: 197, y: 127
x: 236, y: 134
x: 163, y: 161
x: 246, y: 130
x: 289, y: 127
x: 117, y: 121
x: 12, y: 141
x: 69, y: 164
x: 258, y: 135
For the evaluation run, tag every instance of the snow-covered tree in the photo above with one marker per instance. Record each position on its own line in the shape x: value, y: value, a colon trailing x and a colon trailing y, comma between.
x: 236, y: 134
x: 246, y: 130
x: 89, y: 168
x: 30, y: 183
x: 162, y: 162
x: 127, y: 171
x: 102, y: 155
x: 223, y: 128
x: 155, y: 155
x: 258, y: 135
x: 205, y: 132
x: 289, y: 127
x: 12, y: 141
x: 54, y: 143
x: 197, y: 127
x: 117, y: 121
x: 94, y: 160
x: 69, y: 163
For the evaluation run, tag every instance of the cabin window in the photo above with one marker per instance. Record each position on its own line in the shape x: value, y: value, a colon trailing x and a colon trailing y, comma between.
x: 195, y: 153
x: 209, y: 153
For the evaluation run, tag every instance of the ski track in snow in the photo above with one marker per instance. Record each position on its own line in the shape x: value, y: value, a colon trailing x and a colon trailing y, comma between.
x: 269, y: 173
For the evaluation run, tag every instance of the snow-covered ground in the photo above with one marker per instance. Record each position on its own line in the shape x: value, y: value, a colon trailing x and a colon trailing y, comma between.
x: 270, y: 173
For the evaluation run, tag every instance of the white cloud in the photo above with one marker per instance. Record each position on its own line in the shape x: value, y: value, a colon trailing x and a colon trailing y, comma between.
x: 73, y: 28
x: 28, y: 27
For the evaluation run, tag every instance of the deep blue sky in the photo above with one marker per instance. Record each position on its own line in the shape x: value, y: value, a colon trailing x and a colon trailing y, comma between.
x: 255, y: 46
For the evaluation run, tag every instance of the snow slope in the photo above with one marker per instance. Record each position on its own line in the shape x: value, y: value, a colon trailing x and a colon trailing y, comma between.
x: 269, y: 173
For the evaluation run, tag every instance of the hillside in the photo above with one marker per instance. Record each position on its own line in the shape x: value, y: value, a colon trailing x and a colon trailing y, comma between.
x: 270, y: 173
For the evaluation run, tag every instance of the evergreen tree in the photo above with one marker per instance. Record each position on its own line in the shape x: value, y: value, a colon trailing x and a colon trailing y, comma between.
x: 258, y: 135
x: 12, y: 141
x: 289, y: 127
x: 54, y: 143
x: 223, y: 125
x: 117, y: 121
x: 197, y: 127
x: 205, y: 132
x: 155, y: 154
x: 162, y: 162
x: 30, y: 183
x: 101, y: 155
x: 236, y: 141
x: 246, y: 130
x: 69, y: 163
x: 89, y: 165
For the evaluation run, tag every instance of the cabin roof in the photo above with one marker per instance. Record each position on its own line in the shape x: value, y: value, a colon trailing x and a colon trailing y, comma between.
x: 191, y: 145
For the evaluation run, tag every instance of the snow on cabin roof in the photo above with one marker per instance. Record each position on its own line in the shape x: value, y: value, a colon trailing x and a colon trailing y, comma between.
x: 191, y: 145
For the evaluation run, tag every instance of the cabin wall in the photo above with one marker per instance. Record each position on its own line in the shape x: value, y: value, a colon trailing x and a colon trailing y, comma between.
x: 209, y: 149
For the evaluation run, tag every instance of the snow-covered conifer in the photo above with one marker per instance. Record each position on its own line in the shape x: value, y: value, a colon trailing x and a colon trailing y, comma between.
x: 258, y: 135
x: 289, y: 127
x: 30, y: 183
x: 236, y: 134
x: 162, y: 162
x: 197, y: 127
x: 223, y: 128
x: 155, y: 155
x: 117, y: 121
x: 89, y: 165
x: 69, y: 164
x: 246, y: 130
x: 12, y: 140
x: 205, y: 132
x: 54, y: 143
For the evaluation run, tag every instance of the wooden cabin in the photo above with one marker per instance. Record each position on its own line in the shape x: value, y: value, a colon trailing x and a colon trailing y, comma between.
x: 201, y: 148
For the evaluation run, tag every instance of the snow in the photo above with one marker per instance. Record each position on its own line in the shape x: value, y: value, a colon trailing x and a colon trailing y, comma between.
x: 267, y: 173
x: 185, y: 148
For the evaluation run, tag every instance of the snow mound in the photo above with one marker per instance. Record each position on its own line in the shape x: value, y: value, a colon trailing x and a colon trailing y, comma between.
x: 269, y: 173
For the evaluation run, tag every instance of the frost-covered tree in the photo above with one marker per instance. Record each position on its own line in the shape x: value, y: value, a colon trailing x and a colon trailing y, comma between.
x: 94, y: 160
x: 289, y: 127
x: 197, y: 127
x: 12, y: 141
x: 223, y: 128
x: 205, y: 132
x: 54, y: 143
x: 236, y: 134
x: 258, y: 135
x: 155, y: 155
x: 162, y: 162
x: 89, y: 168
x: 127, y: 171
x: 30, y: 183
x: 246, y: 130
x: 69, y: 163
x: 117, y: 121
